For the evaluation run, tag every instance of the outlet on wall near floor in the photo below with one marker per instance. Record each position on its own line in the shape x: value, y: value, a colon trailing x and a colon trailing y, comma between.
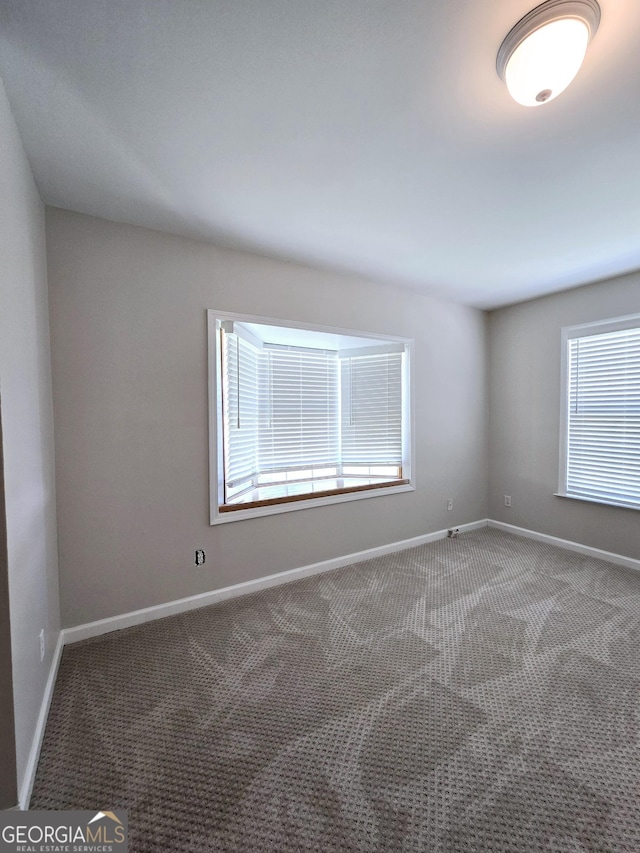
x: 450, y: 503
x: 200, y: 558
x: 507, y: 500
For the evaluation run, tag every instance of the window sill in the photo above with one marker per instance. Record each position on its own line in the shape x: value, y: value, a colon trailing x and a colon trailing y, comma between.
x: 306, y: 490
x: 617, y: 504
x: 238, y: 512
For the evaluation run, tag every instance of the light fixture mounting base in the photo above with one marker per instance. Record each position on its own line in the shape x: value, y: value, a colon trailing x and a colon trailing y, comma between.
x: 585, y: 10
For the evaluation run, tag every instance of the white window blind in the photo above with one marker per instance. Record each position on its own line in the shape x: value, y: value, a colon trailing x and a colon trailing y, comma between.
x: 240, y: 422
x: 298, y: 406
x: 372, y: 409
x: 603, y: 418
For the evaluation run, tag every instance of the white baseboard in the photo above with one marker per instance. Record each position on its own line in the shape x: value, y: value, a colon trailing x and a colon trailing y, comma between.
x: 34, y: 754
x: 159, y: 611
x: 587, y: 550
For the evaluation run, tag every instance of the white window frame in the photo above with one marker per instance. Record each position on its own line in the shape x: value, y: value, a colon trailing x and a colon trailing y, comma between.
x: 216, y: 461
x: 568, y: 333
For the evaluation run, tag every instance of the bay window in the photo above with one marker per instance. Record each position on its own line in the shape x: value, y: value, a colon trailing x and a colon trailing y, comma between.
x: 302, y: 415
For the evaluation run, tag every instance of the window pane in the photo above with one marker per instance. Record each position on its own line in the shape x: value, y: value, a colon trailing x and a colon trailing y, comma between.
x: 603, y: 442
x: 325, y: 472
x: 240, y: 384
x: 372, y: 409
x: 298, y: 409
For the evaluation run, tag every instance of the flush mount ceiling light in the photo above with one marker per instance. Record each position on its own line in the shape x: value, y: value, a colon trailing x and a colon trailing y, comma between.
x: 544, y: 51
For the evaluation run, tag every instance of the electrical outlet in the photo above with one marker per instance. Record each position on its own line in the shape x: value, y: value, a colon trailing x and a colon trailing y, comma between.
x: 507, y: 500
x: 450, y: 504
x: 200, y: 558
x: 41, y: 645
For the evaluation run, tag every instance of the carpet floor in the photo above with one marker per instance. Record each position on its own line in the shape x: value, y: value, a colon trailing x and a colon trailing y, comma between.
x: 472, y: 694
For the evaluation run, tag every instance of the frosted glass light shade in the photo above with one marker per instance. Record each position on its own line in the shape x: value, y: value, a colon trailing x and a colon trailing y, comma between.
x: 544, y: 51
x: 547, y: 61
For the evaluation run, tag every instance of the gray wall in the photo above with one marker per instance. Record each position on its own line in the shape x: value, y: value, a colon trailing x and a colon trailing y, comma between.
x: 25, y: 384
x: 524, y: 419
x: 128, y: 327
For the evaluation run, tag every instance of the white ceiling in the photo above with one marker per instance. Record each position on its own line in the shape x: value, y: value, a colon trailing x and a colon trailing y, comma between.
x: 365, y: 135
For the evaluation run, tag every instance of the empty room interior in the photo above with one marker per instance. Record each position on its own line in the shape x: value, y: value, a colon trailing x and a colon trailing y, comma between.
x: 320, y: 423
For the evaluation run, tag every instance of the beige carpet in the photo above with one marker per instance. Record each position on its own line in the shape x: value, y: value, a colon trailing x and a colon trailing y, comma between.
x: 474, y: 694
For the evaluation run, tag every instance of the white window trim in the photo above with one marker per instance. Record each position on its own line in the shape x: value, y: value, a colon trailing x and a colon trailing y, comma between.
x: 216, y: 462
x: 583, y: 330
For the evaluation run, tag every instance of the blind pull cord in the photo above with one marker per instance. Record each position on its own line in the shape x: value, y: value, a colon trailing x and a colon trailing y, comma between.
x: 577, y: 374
x: 238, y: 376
